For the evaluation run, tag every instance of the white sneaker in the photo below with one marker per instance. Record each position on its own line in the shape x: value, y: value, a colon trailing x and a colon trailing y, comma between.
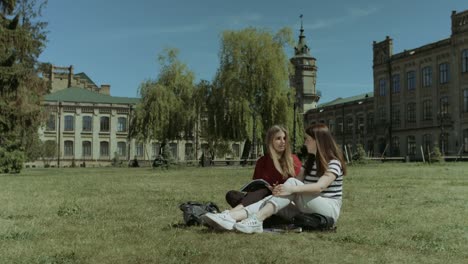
x: 222, y: 221
x: 250, y: 225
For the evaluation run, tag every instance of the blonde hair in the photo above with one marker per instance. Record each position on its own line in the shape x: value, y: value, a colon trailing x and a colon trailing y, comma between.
x: 283, y: 161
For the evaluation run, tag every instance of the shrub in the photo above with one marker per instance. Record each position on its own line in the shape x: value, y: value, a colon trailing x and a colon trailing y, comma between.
x: 11, y: 161
x: 360, y: 155
x: 436, y: 155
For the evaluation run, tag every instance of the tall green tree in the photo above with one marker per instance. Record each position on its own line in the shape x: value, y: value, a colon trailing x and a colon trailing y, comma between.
x: 167, y: 109
x: 252, y: 82
x: 22, y: 39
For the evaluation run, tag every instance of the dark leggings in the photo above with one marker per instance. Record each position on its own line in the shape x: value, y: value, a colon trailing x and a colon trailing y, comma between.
x: 234, y: 198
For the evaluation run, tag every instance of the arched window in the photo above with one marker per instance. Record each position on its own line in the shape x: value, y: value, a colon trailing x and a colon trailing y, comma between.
x: 87, y: 123
x: 104, y: 149
x: 86, y: 148
x: 104, y: 124
x: 68, y: 148
x: 122, y: 124
x: 465, y: 60
x: 411, y: 144
x: 122, y: 149
x: 69, y: 123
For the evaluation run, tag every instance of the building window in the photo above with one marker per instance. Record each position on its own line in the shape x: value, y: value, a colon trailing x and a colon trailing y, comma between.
x: 427, y: 142
x: 236, y: 150
x: 427, y: 110
x: 156, y: 149
x: 395, y: 146
x: 382, y: 115
x: 444, y: 105
x: 465, y: 100
x: 69, y: 123
x: 331, y: 126
x: 411, y: 80
x: 104, y: 124
x: 411, y: 146
x: 122, y: 149
x: 396, y: 83
x: 189, y: 155
x: 349, y: 125
x: 443, y: 143
x: 396, y: 116
x: 427, y: 76
x: 339, y: 123
x: 411, y: 112
x: 465, y: 140
x: 139, y: 149
x: 86, y: 148
x: 465, y: 60
x: 370, y: 121
x: 382, y: 87
x: 444, y: 76
x: 360, y: 124
x: 122, y: 124
x: 87, y: 123
x: 68, y: 148
x: 50, y: 125
x: 173, y: 149
x: 104, y: 148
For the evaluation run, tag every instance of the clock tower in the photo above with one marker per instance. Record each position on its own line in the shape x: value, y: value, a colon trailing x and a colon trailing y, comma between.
x: 305, y: 75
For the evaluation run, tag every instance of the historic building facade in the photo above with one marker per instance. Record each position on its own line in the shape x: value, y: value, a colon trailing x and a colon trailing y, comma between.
x: 420, y: 100
x: 91, y: 128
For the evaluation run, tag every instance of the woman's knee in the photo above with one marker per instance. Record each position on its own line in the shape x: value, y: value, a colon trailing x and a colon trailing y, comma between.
x: 293, y: 181
x: 234, y: 198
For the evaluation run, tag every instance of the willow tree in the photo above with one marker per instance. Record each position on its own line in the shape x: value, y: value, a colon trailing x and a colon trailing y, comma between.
x: 22, y: 39
x: 167, y: 110
x: 252, y: 83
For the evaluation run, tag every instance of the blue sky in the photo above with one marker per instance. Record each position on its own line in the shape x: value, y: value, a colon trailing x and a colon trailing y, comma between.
x: 117, y: 42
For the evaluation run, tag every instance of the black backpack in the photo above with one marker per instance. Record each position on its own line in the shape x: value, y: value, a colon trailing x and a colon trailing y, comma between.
x: 314, y: 222
x: 192, y: 211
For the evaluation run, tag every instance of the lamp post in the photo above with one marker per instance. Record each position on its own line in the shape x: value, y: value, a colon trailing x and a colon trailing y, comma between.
x: 442, y: 117
x: 254, y: 108
x: 295, y: 105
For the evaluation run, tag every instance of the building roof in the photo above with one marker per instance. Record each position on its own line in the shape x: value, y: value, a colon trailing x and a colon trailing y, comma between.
x: 83, y: 75
x: 340, y: 100
x: 81, y: 95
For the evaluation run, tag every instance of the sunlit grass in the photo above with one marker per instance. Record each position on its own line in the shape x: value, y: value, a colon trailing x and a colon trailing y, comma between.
x: 392, y: 213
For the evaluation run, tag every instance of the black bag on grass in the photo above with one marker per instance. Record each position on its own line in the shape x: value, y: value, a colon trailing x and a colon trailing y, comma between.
x: 192, y: 211
x: 314, y: 222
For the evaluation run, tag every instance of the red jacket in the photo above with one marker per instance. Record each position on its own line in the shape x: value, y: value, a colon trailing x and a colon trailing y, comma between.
x: 265, y: 169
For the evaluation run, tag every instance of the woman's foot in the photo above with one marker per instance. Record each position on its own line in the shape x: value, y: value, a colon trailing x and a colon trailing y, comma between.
x: 250, y: 225
x: 222, y: 221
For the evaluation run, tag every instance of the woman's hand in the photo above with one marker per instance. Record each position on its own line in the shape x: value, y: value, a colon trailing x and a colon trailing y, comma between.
x: 283, y: 190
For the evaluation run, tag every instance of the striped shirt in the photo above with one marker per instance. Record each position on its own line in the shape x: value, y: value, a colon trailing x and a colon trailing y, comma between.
x: 335, y: 189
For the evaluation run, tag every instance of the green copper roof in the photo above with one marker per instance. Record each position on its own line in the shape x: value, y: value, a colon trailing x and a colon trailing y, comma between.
x: 340, y: 100
x: 80, y: 95
x: 83, y: 75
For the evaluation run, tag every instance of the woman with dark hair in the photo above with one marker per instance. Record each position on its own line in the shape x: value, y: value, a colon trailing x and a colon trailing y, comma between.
x: 275, y: 168
x: 317, y: 188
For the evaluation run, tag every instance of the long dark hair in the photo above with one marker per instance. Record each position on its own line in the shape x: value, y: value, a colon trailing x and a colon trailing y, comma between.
x: 327, y: 149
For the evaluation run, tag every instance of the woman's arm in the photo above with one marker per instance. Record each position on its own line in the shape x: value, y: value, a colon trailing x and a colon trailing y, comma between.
x: 322, y: 184
x: 300, y: 175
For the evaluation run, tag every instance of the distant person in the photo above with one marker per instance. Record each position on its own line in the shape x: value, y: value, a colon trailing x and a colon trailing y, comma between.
x: 275, y: 167
x: 317, y: 189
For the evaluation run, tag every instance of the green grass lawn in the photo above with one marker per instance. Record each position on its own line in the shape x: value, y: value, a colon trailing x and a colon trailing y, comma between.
x: 392, y: 213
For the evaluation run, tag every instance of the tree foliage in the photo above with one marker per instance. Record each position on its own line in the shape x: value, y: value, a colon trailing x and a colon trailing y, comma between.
x: 22, y: 39
x: 252, y: 80
x: 167, y: 109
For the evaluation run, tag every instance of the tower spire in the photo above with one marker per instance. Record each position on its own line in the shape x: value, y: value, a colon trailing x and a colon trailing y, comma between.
x: 301, y: 48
